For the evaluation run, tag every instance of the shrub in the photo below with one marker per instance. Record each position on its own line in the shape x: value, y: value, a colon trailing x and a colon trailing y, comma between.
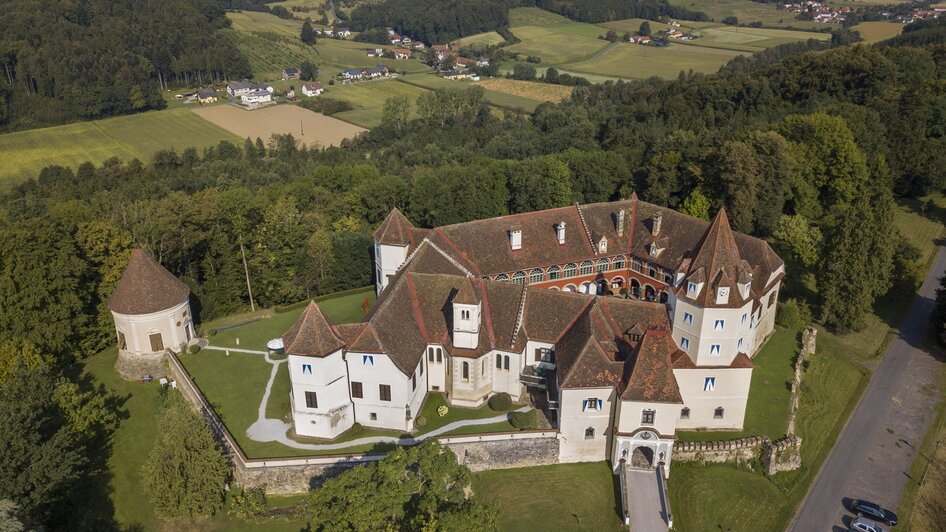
x: 420, y: 422
x: 793, y: 314
x: 194, y: 349
x: 249, y: 504
x: 442, y: 410
x: 524, y: 420
x: 500, y: 402
x: 212, y: 332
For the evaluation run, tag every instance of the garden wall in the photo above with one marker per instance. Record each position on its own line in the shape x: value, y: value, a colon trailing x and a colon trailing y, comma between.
x: 741, y: 450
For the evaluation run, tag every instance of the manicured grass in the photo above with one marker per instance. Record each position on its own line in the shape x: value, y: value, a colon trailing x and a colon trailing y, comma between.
x: 630, y: 60
x: 922, y: 505
x: 878, y: 31
x: 492, y: 97
x: 455, y: 413
x: 769, y: 393
x: 480, y: 39
x: 559, y: 44
x: 343, y: 309
x: 368, y: 99
x: 280, y: 405
x: 25, y: 153
x: 131, y: 444
x: 534, y: 16
x: 555, y: 497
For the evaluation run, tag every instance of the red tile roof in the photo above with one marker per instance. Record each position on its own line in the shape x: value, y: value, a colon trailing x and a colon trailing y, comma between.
x: 312, y: 334
x: 146, y: 287
x: 395, y: 229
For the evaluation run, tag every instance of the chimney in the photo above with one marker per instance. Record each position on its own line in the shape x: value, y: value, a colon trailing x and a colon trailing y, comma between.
x: 621, y: 222
x: 560, y: 231
x: 658, y: 218
x: 515, y: 238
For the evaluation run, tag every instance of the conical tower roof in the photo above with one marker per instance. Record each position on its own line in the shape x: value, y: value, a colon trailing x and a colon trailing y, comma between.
x: 395, y: 230
x: 312, y: 334
x: 717, y: 261
x: 466, y: 294
x: 146, y: 287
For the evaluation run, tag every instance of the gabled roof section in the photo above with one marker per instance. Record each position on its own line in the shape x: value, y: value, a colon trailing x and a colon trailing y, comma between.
x: 651, y: 373
x: 395, y: 230
x: 466, y: 295
x: 717, y: 262
x: 146, y: 287
x: 312, y: 335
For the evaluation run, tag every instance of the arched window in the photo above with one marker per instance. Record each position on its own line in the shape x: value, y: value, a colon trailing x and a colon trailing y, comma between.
x: 506, y: 362
x: 618, y: 263
x: 465, y: 369
x: 587, y: 268
x: 439, y: 355
x: 572, y: 288
x: 536, y: 276
x: 637, y: 265
x: 555, y: 273
x: 519, y: 277
x: 603, y: 265
x: 651, y: 271
x: 570, y: 270
x: 685, y: 413
x: 502, y: 277
x: 430, y: 354
x: 499, y: 361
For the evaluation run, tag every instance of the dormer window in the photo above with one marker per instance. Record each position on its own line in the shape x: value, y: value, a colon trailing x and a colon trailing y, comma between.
x: 515, y: 239
x: 653, y: 250
x: 691, y: 288
x: 603, y: 245
x: 560, y: 232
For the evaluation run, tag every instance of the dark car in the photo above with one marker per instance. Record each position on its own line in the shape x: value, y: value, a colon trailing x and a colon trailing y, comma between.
x: 875, y: 512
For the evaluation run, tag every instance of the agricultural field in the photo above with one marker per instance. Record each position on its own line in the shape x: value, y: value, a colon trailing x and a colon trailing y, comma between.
x: 368, y: 99
x: 545, y: 92
x: 873, y: 32
x: 750, y: 39
x: 492, y: 97
x: 309, y: 128
x: 629, y: 60
x: 632, y: 25
x: 480, y: 39
x: 534, y: 16
x: 25, y: 153
x: 559, y: 44
x: 747, y: 11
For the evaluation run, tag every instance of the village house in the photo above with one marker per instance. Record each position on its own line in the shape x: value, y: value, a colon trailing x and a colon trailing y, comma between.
x: 343, y: 33
x: 290, y: 73
x: 461, y: 75
x: 641, y: 39
x: 313, y: 88
x: 527, y: 304
x: 206, y: 95
x: 401, y: 53
x: 463, y: 62
x: 441, y: 51
x: 239, y: 88
x: 375, y: 52
x: 256, y: 97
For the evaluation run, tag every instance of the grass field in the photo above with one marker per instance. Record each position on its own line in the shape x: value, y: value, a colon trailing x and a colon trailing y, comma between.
x: 559, y: 44
x: 632, y: 25
x: 309, y: 128
x: 534, y: 16
x: 492, y: 97
x: 751, y: 39
x: 368, y: 99
x: 747, y: 11
x: 545, y: 92
x: 878, y: 31
x: 630, y: 60
x: 25, y: 153
x: 480, y: 39
x: 555, y: 497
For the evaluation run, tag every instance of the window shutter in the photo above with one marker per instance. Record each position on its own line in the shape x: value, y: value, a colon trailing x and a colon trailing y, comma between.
x: 599, y: 404
x: 584, y: 405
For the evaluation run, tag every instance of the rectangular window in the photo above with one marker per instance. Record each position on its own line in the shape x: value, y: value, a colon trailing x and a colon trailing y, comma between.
x: 157, y: 343
x: 311, y: 400
x: 356, y: 390
x: 373, y: 416
x: 709, y: 384
x: 483, y: 368
x: 744, y: 319
x: 307, y: 369
x: 718, y: 413
x: 688, y: 318
x: 465, y: 314
x: 506, y: 363
x: 385, y: 392
x: 739, y: 345
x: 430, y: 354
x: 691, y: 288
x: 684, y: 343
x: 685, y: 413
x: 647, y: 417
x: 714, y: 350
x: 592, y: 403
x: 422, y: 367
x: 538, y: 354
x: 122, y: 344
x: 544, y: 354
x: 719, y: 325
x: 367, y: 360
x: 439, y: 355
x: 413, y: 382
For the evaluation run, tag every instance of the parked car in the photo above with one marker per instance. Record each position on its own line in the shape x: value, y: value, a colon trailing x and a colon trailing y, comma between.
x: 863, y: 524
x: 874, y: 511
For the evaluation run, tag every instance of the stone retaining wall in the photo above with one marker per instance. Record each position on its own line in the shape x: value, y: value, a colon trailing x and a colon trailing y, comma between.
x: 506, y: 453
x: 782, y: 455
x: 741, y: 450
x: 132, y: 367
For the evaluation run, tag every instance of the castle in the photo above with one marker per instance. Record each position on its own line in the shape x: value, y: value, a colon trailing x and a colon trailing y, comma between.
x: 533, y: 301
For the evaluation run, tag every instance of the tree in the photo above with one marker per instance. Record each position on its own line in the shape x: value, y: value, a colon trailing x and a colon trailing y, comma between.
x: 308, y: 33
x: 413, y: 488
x: 308, y: 70
x: 611, y: 36
x: 523, y: 71
x: 644, y: 29
x: 626, y: 37
x: 186, y: 472
x: 107, y: 249
x: 318, y: 262
x: 731, y: 21
x: 9, y: 522
x: 800, y: 238
x: 696, y: 205
x: 395, y: 112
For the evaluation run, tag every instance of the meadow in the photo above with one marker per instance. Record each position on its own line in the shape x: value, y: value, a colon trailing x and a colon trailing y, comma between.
x: 534, y: 16
x: 25, y: 153
x: 492, y: 97
x: 559, y: 44
x: 628, y: 60
x: 309, y: 128
x: 545, y: 92
x: 747, y: 11
x: 873, y: 32
x: 480, y: 39
x: 750, y: 39
x: 368, y: 100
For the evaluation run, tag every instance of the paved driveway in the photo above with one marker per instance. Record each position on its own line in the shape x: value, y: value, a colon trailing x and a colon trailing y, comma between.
x: 874, y: 452
x: 643, y: 502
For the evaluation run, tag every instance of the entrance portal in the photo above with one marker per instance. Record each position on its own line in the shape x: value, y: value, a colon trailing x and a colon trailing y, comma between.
x: 642, y: 458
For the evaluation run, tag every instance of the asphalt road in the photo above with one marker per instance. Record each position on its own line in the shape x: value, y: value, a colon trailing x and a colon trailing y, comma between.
x: 874, y: 452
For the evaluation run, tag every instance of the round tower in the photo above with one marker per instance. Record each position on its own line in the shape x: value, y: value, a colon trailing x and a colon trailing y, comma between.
x: 152, y: 313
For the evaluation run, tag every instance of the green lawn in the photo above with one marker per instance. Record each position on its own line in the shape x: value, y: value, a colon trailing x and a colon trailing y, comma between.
x: 25, y: 153
x: 769, y: 393
x: 492, y: 97
x: 368, y: 99
x: 343, y: 309
x: 534, y: 16
x: 630, y: 60
x: 555, y: 497
x: 131, y: 444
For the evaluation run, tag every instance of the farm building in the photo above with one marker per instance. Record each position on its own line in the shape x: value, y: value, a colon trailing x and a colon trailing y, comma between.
x: 290, y: 73
x: 374, y: 52
x: 206, y: 95
x: 461, y: 74
x: 256, y: 97
x: 239, y: 88
x: 401, y: 53
x: 312, y: 89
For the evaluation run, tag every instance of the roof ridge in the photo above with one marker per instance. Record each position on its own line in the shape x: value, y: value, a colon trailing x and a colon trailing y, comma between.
x: 519, y: 316
x: 440, y: 232
x: 452, y: 260
x: 584, y: 225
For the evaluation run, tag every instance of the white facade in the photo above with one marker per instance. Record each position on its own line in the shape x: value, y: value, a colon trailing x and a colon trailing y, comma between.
x: 585, y: 426
x: 387, y: 260
x: 153, y: 333
x: 256, y: 97
x: 388, y: 399
x: 313, y: 91
x: 715, y: 398
x: 321, y: 407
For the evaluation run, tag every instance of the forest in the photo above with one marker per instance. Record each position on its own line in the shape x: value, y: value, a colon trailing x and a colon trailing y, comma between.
x: 67, y: 60
x: 807, y: 148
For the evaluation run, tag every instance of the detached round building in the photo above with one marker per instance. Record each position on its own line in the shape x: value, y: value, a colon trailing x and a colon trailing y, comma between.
x: 151, y: 309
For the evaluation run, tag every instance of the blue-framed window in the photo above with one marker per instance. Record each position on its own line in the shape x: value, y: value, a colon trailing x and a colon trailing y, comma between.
x: 688, y: 318
x: 592, y: 403
x: 307, y: 369
x: 691, y: 287
x: 714, y: 350
x: 684, y: 343
x: 709, y: 384
x: 367, y: 360
x: 719, y: 325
